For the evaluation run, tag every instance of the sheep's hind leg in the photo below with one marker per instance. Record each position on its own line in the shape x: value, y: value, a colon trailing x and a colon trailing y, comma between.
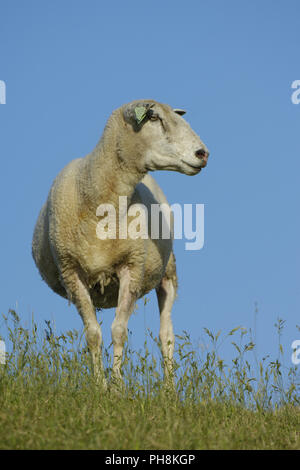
x: 80, y: 297
x: 126, y: 302
x: 166, y: 293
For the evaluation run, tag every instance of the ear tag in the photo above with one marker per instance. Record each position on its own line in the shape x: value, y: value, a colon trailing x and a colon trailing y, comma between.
x: 140, y: 113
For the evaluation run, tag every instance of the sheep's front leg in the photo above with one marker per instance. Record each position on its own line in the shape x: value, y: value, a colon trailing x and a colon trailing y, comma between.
x: 166, y: 295
x: 126, y: 302
x: 79, y: 295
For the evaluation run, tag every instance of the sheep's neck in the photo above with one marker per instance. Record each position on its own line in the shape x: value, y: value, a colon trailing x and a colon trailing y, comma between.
x: 108, y: 179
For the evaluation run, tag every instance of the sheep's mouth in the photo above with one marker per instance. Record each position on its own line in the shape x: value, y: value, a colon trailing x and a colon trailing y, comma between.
x: 198, y: 168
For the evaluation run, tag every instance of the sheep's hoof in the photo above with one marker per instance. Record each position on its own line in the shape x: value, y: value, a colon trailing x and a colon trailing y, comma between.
x: 169, y: 386
x: 101, y: 381
x: 117, y: 385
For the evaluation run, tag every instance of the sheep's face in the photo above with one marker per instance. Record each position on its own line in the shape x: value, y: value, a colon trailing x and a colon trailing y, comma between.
x: 164, y: 139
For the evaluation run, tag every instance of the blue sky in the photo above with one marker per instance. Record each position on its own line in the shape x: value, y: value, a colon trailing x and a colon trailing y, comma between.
x: 68, y: 64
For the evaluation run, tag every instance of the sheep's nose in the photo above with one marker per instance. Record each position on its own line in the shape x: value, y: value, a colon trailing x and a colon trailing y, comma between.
x: 202, y: 153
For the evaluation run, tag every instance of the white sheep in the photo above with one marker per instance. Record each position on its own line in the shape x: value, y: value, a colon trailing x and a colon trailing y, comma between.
x: 97, y: 273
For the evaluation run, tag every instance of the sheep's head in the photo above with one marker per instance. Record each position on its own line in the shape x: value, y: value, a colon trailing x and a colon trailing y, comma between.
x: 162, y: 139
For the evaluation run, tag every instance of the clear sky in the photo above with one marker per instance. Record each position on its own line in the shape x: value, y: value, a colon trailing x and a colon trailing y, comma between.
x: 68, y: 64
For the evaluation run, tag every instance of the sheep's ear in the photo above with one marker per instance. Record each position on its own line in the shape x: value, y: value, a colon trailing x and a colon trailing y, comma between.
x: 181, y: 112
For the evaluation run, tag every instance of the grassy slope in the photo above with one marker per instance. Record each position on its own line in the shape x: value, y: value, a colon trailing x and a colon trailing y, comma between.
x: 69, y: 419
x: 48, y: 400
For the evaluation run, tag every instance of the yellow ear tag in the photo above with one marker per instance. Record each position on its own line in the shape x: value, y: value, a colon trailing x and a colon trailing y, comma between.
x: 140, y: 113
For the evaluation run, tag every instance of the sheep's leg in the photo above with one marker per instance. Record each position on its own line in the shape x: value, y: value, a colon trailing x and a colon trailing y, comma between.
x: 166, y: 293
x: 80, y: 297
x: 126, y: 301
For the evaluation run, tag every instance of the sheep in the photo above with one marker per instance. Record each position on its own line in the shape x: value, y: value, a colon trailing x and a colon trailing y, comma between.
x: 94, y: 273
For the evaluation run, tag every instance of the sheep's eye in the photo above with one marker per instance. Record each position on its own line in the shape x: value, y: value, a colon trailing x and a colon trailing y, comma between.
x: 154, y: 117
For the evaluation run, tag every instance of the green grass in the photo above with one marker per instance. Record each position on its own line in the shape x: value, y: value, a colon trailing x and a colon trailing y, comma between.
x: 49, y: 400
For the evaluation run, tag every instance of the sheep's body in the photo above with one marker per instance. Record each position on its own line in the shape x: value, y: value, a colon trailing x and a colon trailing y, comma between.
x: 98, y: 259
x: 100, y: 273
